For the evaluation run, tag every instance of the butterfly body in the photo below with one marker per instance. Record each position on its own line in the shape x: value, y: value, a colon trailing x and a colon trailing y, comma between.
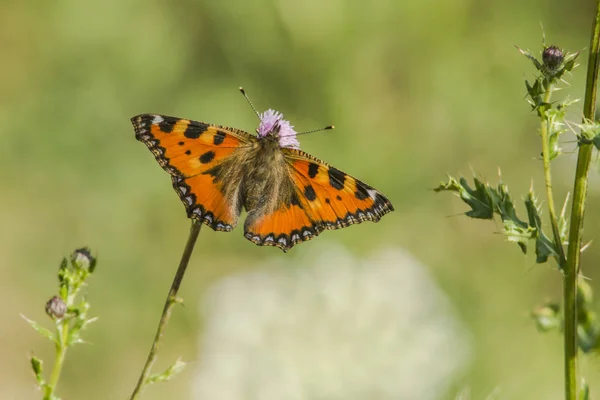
x: 289, y: 196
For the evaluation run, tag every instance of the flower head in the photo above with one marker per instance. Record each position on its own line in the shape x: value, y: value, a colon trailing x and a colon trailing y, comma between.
x: 272, y: 121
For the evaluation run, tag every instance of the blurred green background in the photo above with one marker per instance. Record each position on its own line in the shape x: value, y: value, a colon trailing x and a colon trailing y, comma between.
x: 416, y: 89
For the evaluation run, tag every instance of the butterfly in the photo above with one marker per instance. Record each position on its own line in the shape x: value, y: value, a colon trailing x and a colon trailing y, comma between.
x: 290, y: 196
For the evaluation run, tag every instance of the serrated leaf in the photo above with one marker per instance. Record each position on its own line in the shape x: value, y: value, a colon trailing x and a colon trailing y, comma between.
x: 485, y: 201
x: 589, y: 132
x: 539, y: 66
x: 89, y: 322
x: 536, y: 95
x: 169, y: 373
x: 544, y: 247
x: 555, y: 121
x: 569, y: 61
x: 38, y: 370
x: 40, y: 329
x: 73, y: 338
x: 477, y: 199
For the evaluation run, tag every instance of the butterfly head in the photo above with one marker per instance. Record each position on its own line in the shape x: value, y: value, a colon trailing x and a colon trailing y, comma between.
x: 274, y: 126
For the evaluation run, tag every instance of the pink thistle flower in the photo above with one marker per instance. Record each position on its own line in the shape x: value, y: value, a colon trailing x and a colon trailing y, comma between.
x: 272, y: 122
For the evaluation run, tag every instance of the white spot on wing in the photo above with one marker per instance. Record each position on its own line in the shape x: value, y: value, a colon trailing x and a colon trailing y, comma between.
x: 372, y: 193
x: 157, y: 119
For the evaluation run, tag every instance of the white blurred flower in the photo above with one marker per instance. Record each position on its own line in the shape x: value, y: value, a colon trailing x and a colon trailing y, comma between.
x: 330, y: 327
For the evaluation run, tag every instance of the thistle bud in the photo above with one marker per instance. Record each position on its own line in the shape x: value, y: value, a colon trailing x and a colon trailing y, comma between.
x: 552, y: 58
x: 56, y: 308
x: 82, y: 258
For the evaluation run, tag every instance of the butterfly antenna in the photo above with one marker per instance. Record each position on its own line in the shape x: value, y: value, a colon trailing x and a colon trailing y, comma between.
x: 249, y: 102
x: 313, y: 131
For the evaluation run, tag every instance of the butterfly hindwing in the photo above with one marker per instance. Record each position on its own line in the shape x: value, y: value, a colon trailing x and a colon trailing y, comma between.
x: 192, y: 152
x: 285, y: 227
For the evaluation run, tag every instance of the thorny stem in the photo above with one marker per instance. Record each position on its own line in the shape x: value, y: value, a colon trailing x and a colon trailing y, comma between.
x: 577, y: 213
x: 169, y: 303
x: 548, y: 180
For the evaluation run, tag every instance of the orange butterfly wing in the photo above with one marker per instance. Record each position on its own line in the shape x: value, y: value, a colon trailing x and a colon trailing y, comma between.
x: 332, y: 198
x: 325, y: 198
x: 191, y: 151
x: 283, y: 228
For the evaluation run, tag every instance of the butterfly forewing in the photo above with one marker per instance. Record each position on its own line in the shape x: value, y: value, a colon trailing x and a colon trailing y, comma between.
x: 191, y: 152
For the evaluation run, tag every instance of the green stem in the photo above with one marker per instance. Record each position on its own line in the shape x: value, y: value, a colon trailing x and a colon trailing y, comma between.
x: 172, y: 299
x: 61, y: 351
x: 548, y: 179
x: 577, y: 213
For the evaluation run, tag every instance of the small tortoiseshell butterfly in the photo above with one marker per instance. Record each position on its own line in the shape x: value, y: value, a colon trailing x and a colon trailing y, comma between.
x: 290, y: 196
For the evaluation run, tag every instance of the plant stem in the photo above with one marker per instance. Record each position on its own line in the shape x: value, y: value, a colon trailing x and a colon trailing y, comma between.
x: 61, y: 351
x: 169, y: 303
x: 577, y: 213
x: 548, y: 179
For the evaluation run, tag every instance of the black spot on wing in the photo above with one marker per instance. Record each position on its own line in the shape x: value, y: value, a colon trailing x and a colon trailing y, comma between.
x: 207, y: 157
x: 195, y: 129
x: 327, y: 201
x: 313, y: 170
x: 167, y: 125
x: 295, y: 201
x: 188, y: 152
x: 219, y: 138
x: 361, y: 192
x: 309, y: 193
x: 215, y: 172
x: 181, y: 143
x: 338, y: 197
x: 336, y: 178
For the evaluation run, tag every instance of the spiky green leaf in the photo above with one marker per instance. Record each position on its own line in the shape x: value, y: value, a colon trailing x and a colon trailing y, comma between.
x: 40, y: 329
x: 169, y: 373
x: 485, y: 201
x: 38, y: 370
